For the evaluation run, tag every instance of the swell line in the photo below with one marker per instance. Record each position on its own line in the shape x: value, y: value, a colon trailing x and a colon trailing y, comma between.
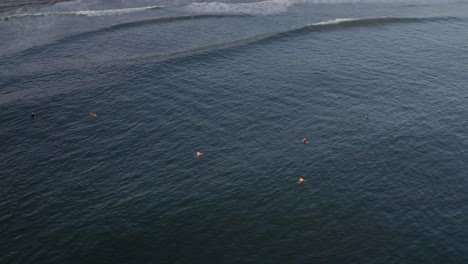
x: 208, y: 48
x: 167, y: 20
x: 143, y: 22
x: 126, y: 25
x: 361, y: 22
x: 335, y: 24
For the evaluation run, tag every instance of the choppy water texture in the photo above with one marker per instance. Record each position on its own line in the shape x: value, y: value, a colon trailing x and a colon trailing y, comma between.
x: 242, y: 82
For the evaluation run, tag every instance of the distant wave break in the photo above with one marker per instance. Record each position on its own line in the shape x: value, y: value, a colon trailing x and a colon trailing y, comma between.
x: 83, y: 13
x: 259, y: 8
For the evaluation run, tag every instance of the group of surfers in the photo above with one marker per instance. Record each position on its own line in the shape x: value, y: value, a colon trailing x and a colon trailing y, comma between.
x: 198, y: 153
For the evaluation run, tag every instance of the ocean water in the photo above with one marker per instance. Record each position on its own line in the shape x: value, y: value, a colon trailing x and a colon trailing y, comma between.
x: 9, y: 5
x: 378, y: 87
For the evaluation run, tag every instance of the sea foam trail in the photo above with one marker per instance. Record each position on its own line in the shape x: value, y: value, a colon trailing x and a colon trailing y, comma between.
x: 256, y: 8
x: 267, y: 7
x: 108, y: 12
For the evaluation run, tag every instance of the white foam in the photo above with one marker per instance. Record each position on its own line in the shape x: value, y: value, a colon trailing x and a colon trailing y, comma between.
x: 115, y: 11
x: 335, y: 21
x: 256, y: 8
x: 107, y: 12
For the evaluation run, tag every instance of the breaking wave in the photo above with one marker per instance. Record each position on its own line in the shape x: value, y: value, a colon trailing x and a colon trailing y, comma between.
x: 266, y: 7
x: 256, y: 8
x: 108, y: 12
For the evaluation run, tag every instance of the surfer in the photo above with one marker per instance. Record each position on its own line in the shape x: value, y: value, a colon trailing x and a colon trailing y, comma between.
x: 301, y: 180
x: 199, y: 154
x: 93, y: 114
x: 305, y: 140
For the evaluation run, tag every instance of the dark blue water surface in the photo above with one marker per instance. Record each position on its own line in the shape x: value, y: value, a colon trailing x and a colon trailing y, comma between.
x: 379, y: 88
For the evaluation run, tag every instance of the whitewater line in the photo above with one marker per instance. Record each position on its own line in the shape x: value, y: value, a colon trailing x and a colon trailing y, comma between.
x: 266, y: 7
x: 90, y: 13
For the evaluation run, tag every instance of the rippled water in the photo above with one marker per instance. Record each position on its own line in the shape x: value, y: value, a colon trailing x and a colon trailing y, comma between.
x: 9, y: 5
x: 378, y: 87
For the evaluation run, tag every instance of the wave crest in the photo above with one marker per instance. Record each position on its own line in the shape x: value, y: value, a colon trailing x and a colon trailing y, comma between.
x: 323, y: 26
x: 315, y: 27
x: 379, y: 20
